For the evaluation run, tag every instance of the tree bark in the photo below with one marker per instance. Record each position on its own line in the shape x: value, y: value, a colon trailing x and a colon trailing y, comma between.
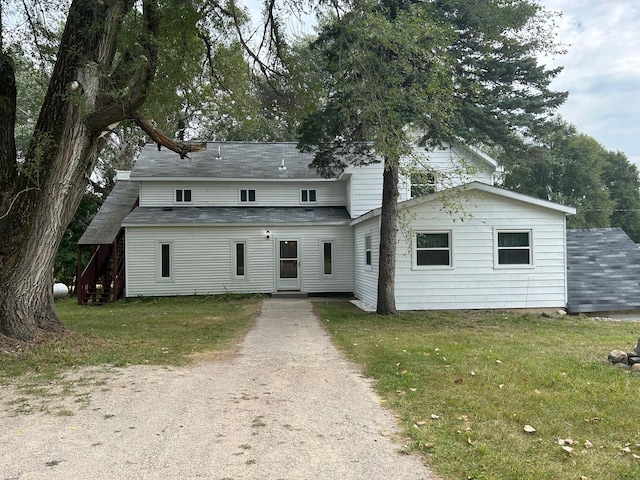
x: 54, y: 175
x: 388, y: 238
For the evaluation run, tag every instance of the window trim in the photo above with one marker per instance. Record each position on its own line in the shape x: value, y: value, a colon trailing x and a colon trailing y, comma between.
x: 414, y: 250
x: 331, y: 242
x: 308, y: 191
x: 160, y: 244
x: 497, y: 248
x: 182, y: 195
x: 248, y: 195
x: 234, y: 260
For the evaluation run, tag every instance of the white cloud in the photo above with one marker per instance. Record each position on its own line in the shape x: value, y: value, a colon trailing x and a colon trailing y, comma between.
x: 601, y: 70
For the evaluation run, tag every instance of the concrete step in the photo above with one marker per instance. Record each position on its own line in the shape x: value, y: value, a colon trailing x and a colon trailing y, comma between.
x: 289, y: 294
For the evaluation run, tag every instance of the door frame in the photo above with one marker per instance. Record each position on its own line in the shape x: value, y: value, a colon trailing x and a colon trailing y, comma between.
x: 290, y: 284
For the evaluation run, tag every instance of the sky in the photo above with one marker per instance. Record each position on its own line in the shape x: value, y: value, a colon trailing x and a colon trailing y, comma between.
x: 601, y: 70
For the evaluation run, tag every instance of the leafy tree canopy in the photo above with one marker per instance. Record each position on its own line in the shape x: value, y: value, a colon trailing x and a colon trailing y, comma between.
x: 571, y: 168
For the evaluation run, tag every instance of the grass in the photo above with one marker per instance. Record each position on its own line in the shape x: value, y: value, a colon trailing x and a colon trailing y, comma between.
x: 465, y: 384
x: 160, y: 331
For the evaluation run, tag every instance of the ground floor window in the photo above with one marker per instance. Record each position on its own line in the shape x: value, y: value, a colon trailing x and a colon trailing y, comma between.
x: 433, y: 249
x: 165, y: 260
x: 367, y: 249
x: 327, y: 258
x: 239, y: 255
x: 514, y: 247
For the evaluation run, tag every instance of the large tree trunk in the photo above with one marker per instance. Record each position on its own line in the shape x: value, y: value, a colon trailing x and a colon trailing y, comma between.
x: 44, y: 191
x: 388, y: 237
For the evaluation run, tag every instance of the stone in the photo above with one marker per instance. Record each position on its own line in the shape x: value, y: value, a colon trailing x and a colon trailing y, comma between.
x: 635, y: 367
x: 633, y: 360
x: 637, y: 347
x: 617, y: 356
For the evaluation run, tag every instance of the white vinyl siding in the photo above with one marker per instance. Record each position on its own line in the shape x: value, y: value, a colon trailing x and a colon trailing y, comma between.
x: 227, y: 193
x: 473, y: 282
x: 367, y: 276
x: 204, y: 263
x: 447, y: 163
x: 366, y: 188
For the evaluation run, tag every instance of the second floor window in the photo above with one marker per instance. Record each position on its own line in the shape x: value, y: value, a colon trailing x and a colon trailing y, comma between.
x: 422, y: 183
x: 247, y: 195
x: 307, y: 196
x: 183, y: 195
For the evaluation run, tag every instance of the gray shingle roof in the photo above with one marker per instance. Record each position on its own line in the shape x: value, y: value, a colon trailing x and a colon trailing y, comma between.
x: 105, y: 225
x: 603, y: 270
x: 142, y: 216
x: 227, y: 160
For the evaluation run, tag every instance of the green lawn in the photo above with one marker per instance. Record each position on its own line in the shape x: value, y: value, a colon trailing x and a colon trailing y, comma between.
x: 465, y: 384
x: 161, y: 331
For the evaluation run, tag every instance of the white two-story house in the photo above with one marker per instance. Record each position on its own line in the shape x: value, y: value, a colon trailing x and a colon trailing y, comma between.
x: 255, y: 218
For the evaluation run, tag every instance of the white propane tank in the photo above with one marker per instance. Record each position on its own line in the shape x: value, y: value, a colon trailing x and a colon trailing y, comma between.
x: 60, y: 290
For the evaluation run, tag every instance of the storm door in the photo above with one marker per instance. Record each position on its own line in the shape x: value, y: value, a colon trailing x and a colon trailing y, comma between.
x: 288, y: 265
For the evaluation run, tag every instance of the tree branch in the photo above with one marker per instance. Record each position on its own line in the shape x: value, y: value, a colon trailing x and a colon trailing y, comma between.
x: 181, y: 148
x: 124, y: 107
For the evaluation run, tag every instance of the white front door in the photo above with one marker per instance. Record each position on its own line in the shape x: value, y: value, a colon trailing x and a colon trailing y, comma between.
x: 288, y: 274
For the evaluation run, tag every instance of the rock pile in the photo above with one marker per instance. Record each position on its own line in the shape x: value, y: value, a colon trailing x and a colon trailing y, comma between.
x: 632, y: 359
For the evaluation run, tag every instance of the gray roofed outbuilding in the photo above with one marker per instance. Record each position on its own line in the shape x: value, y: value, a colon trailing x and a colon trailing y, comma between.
x: 105, y: 226
x: 244, y: 160
x: 603, y: 271
x: 172, y: 216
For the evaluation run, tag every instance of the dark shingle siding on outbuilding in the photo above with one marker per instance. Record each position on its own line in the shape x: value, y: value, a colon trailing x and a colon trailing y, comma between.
x: 227, y: 160
x: 603, y: 271
x: 106, y: 224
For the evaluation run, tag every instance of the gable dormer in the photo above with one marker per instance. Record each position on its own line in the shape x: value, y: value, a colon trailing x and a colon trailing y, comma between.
x: 425, y: 171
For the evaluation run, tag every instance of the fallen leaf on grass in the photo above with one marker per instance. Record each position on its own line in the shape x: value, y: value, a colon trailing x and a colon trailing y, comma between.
x: 434, y: 416
x: 458, y: 380
x: 529, y: 429
x: 588, y: 444
x: 567, y: 449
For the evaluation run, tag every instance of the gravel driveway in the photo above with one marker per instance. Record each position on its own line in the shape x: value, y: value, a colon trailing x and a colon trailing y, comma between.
x: 287, y: 406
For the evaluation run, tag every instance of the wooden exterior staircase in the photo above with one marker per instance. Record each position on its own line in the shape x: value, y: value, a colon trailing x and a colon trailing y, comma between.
x: 102, y: 280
